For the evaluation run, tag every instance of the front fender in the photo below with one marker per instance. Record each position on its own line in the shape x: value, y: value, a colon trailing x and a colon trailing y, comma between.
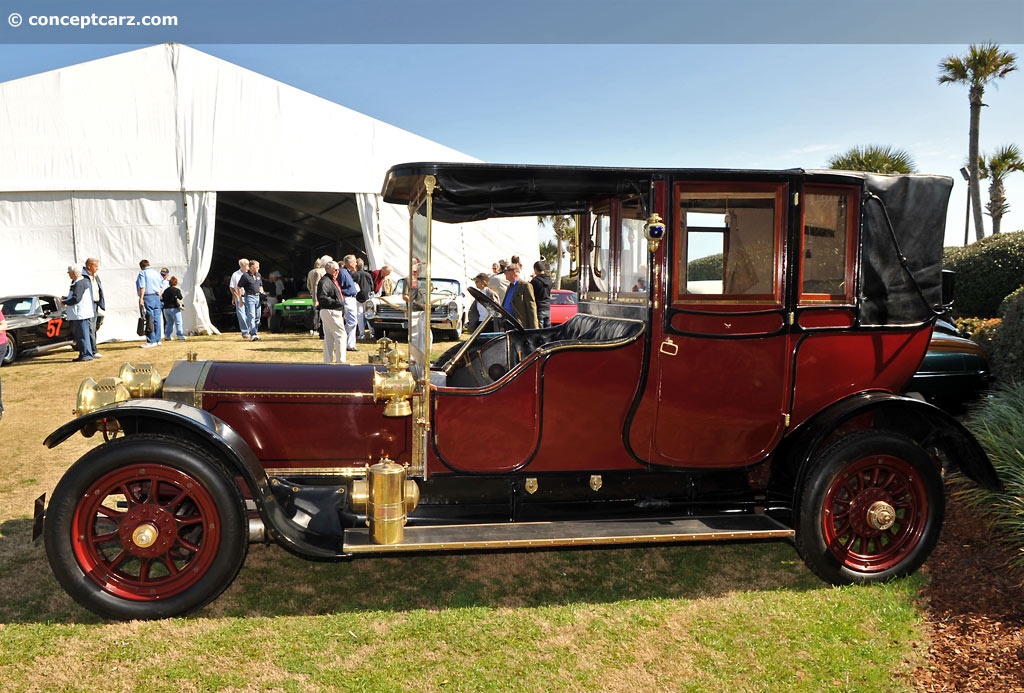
x: 157, y: 415
x: 926, y: 424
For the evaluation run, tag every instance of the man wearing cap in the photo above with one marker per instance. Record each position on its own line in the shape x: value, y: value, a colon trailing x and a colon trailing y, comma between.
x: 149, y: 285
x: 519, y: 298
x: 477, y: 312
x: 80, y: 309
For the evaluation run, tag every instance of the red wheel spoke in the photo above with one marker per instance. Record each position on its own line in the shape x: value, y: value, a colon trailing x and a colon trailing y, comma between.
x: 144, y: 571
x: 852, y: 534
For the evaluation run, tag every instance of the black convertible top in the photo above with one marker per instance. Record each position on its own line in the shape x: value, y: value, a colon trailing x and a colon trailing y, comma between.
x: 903, y: 216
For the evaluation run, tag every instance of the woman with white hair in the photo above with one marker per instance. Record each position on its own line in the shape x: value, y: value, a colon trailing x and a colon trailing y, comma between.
x: 79, y: 304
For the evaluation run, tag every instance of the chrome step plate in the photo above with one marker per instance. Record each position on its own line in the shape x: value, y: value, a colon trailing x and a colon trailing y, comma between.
x: 523, y: 535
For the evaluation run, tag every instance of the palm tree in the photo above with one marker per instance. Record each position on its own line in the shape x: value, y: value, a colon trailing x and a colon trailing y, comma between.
x: 980, y: 65
x: 875, y: 158
x: 1003, y: 162
x: 564, y: 226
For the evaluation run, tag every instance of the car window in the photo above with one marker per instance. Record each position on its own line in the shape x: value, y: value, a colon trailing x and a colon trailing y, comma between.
x: 18, y: 306
x: 568, y: 299
x: 729, y: 243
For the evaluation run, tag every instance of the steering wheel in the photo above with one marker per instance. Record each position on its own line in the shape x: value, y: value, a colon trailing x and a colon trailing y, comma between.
x: 495, y: 309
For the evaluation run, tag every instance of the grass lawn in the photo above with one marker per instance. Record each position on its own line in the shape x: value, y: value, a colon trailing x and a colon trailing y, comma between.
x: 722, y: 617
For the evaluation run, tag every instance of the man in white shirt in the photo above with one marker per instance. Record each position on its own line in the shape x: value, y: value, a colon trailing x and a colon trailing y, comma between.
x: 236, y: 298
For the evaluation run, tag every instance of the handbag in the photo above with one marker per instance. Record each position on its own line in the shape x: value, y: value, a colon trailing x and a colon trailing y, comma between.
x: 144, y: 321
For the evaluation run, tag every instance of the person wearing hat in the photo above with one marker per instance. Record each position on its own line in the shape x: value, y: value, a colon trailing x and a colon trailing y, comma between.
x: 477, y: 312
x: 519, y: 298
x: 80, y: 309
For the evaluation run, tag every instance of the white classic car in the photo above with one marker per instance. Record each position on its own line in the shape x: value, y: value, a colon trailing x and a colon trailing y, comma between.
x: 386, y: 315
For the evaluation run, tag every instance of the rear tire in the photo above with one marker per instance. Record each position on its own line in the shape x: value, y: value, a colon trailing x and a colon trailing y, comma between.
x: 871, y: 510
x: 145, y: 527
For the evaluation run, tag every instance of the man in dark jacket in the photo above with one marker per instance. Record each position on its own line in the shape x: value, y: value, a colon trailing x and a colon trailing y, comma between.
x: 364, y: 280
x: 542, y: 292
x: 332, y: 313
x: 92, y: 265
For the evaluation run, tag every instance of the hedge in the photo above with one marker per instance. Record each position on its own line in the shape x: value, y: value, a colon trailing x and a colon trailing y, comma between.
x: 986, y: 272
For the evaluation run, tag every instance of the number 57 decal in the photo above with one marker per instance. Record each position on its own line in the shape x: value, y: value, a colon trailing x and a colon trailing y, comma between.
x: 53, y: 327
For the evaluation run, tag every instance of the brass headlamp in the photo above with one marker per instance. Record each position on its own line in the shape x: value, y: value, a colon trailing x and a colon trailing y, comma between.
x: 397, y: 385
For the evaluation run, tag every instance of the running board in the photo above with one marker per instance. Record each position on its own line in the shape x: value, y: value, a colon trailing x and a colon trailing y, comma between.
x: 524, y: 535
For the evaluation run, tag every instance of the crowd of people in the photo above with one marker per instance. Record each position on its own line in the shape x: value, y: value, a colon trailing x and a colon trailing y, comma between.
x: 338, y: 289
x: 528, y: 300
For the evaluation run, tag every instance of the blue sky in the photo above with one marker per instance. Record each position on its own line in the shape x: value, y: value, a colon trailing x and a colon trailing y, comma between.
x: 735, y: 105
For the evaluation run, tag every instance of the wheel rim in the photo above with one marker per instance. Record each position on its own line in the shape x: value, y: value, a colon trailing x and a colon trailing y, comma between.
x: 875, y: 513
x: 146, y: 532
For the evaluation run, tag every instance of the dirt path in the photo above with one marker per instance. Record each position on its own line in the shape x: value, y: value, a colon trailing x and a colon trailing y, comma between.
x: 975, y: 609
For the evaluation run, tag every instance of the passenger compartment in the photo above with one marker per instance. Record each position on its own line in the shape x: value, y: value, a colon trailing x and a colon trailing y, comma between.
x: 497, y: 355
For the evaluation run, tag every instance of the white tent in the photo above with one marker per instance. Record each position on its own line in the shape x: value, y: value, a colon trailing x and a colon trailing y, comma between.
x: 123, y: 159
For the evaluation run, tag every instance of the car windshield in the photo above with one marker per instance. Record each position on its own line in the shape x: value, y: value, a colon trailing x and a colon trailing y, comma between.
x: 437, y: 286
x: 563, y: 299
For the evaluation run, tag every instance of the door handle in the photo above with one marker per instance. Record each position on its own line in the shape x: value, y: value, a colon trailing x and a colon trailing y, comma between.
x: 669, y: 348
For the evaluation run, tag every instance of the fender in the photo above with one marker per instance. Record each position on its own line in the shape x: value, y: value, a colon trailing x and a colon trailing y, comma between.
x: 157, y: 415
x: 925, y: 423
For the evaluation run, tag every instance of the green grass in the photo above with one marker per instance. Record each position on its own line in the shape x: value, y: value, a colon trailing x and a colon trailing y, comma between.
x: 723, y: 617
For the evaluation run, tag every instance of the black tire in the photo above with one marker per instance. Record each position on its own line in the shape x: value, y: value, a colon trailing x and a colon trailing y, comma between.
x: 125, y: 552
x: 871, y: 509
x: 274, y: 323
x: 10, y: 351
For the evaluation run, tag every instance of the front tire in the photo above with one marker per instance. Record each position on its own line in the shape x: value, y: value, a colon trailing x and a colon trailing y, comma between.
x: 10, y: 351
x: 871, y: 510
x: 145, y: 527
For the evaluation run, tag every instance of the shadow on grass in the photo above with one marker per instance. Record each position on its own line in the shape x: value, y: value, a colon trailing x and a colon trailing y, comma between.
x: 275, y: 583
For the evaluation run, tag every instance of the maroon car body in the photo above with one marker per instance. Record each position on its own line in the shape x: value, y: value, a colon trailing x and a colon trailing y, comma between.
x: 748, y: 390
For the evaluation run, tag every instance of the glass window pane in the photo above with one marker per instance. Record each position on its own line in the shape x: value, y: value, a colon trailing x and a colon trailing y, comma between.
x: 729, y: 243
x: 825, y: 244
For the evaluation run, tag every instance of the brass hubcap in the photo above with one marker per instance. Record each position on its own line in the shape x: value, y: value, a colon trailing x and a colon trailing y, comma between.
x: 881, y: 515
x: 145, y: 535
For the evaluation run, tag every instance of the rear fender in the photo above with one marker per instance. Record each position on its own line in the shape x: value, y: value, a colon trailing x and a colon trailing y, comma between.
x: 162, y: 416
x: 924, y: 423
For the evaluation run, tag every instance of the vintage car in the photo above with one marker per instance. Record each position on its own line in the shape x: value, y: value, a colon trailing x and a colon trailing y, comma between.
x: 295, y: 313
x: 955, y: 370
x: 386, y: 315
x: 764, y: 407
x: 35, y: 323
x: 564, y: 305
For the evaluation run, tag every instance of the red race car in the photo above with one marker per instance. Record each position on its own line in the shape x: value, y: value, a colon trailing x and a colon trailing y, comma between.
x: 564, y: 305
x: 746, y: 389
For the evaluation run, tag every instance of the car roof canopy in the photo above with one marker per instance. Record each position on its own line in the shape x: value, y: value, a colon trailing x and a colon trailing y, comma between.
x: 902, y: 223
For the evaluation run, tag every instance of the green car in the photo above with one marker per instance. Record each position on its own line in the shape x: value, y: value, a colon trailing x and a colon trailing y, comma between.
x: 954, y: 372
x: 292, y: 313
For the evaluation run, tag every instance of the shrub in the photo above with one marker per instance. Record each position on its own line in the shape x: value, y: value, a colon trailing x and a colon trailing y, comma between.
x: 998, y: 423
x: 981, y: 330
x: 705, y: 268
x: 1007, y: 348
x: 986, y: 272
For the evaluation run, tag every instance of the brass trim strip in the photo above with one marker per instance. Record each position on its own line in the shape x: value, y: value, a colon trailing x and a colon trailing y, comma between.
x: 348, y: 472
x: 357, y: 541
x: 264, y: 393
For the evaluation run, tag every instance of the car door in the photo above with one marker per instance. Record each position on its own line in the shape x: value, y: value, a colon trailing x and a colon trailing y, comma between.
x: 719, y: 378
